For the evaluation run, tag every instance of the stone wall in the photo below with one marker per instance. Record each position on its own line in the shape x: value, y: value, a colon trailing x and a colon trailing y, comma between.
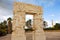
x: 19, y: 11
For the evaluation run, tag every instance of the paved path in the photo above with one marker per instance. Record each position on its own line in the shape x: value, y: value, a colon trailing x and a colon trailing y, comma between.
x: 7, y: 37
x: 29, y: 36
x: 52, y: 35
x: 49, y: 36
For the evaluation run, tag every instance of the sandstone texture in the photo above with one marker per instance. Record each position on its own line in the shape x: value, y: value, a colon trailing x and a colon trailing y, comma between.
x: 19, y: 12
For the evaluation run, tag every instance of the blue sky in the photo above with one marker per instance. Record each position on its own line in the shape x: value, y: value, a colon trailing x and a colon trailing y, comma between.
x: 51, y: 9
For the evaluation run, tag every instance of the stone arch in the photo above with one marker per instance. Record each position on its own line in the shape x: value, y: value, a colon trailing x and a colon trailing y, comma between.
x: 19, y: 11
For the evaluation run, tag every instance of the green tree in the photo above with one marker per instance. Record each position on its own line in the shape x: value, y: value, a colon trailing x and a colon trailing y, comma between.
x: 45, y: 24
x: 28, y: 23
x: 3, y: 30
x: 57, y: 26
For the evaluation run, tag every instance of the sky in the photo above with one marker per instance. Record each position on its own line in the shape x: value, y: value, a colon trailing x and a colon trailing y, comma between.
x: 51, y: 9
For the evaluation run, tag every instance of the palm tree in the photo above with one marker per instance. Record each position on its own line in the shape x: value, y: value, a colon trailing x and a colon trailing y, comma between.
x: 9, y: 25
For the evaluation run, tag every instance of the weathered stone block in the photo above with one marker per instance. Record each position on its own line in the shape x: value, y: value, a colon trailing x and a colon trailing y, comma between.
x: 19, y: 11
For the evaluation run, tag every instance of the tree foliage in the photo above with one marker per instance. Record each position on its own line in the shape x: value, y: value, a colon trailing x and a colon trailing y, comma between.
x: 57, y: 26
x: 29, y: 25
x: 4, y: 26
x: 45, y: 23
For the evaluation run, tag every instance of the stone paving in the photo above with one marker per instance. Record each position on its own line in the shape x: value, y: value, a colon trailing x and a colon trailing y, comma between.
x: 49, y: 36
x: 52, y: 35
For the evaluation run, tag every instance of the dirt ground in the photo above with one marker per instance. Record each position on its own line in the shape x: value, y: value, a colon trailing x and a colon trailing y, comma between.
x: 49, y: 36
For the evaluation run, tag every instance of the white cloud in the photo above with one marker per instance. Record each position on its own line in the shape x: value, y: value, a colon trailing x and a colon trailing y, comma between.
x: 5, y: 9
x: 7, y: 4
x: 49, y: 23
x: 57, y: 21
x: 29, y: 17
x: 4, y: 14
